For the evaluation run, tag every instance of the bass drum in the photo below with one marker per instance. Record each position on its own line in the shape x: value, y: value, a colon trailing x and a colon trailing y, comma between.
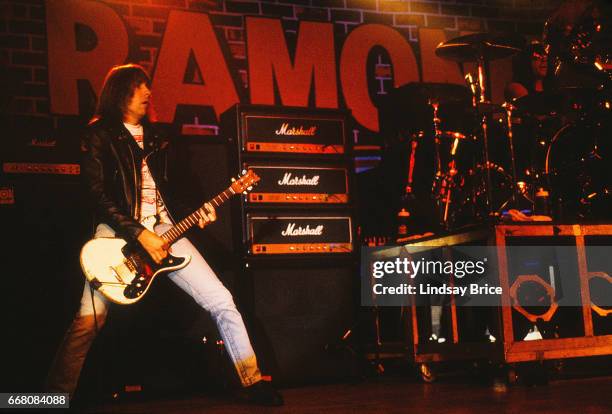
x: 469, y: 196
x: 577, y: 174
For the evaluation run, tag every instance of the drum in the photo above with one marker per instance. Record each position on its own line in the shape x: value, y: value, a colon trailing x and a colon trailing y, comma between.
x: 467, y: 197
x: 579, y: 37
x: 539, y: 117
x: 576, y: 171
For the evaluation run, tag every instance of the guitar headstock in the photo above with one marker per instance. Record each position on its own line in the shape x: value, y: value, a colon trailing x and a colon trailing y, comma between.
x: 245, y: 182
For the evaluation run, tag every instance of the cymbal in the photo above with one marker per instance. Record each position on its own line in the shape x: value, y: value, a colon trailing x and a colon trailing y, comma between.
x: 438, y: 92
x: 410, y: 108
x: 558, y: 101
x: 470, y: 48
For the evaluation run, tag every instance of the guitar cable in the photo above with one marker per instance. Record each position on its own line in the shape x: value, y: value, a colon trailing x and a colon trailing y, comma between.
x: 91, y: 289
x: 93, y: 306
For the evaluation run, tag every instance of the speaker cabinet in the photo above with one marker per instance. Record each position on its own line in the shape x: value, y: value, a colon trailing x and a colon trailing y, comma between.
x: 207, y: 168
x: 299, y: 312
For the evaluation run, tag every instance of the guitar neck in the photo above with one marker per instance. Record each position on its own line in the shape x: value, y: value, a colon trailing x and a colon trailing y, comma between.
x: 182, y: 226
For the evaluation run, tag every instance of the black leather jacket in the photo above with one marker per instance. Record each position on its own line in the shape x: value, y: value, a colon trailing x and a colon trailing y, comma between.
x: 111, y: 168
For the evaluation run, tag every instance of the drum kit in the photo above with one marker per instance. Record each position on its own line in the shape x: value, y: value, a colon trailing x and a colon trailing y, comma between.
x: 489, y: 158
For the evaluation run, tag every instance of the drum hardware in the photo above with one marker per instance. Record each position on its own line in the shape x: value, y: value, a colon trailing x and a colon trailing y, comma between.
x: 414, y: 143
x: 474, y: 88
x: 509, y: 109
x: 481, y: 48
x: 558, y: 140
x: 444, y: 180
x: 437, y: 135
x: 407, y: 197
x: 445, y: 193
x: 430, y: 136
x: 469, y: 192
x: 404, y: 214
x: 575, y: 169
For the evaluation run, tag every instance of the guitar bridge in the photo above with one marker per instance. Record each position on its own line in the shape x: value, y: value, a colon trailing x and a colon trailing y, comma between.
x: 125, y: 270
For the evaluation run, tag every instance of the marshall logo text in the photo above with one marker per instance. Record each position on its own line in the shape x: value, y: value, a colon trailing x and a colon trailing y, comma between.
x: 288, y: 179
x: 291, y: 230
x: 286, y: 130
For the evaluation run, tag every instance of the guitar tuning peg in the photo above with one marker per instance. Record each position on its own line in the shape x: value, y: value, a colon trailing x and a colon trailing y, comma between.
x: 244, y: 171
x: 250, y: 187
x: 233, y: 180
x: 244, y: 192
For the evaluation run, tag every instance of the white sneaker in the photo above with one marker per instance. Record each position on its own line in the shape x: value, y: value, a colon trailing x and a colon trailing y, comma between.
x: 533, y: 335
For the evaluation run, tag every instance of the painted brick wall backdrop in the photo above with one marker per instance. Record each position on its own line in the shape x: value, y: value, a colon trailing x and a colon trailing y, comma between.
x: 24, y: 58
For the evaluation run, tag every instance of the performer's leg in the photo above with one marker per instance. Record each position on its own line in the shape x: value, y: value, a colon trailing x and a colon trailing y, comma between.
x: 199, y: 281
x: 66, y: 367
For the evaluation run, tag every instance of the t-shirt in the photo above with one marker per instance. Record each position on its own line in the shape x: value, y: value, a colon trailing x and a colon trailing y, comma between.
x: 151, y: 203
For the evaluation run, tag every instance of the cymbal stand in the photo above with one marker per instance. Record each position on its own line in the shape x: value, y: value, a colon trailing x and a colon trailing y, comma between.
x: 414, y: 143
x: 482, y: 89
x: 408, y: 196
x: 509, y: 108
x: 444, y: 196
x: 437, y: 135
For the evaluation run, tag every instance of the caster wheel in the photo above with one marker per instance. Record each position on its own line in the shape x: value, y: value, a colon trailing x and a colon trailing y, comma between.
x: 512, y: 376
x: 428, y: 373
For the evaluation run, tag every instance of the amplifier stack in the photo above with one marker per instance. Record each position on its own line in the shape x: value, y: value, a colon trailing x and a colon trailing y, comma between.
x: 297, y: 235
x: 301, y: 206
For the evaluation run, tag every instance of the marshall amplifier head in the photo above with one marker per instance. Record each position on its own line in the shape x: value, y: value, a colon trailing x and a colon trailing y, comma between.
x: 299, y: 184
x: 271, y: 129
x: 271, y: 235
x: 41, y: 168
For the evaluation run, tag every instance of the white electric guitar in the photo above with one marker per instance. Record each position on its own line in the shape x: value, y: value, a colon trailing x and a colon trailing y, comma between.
x: 123, y: 272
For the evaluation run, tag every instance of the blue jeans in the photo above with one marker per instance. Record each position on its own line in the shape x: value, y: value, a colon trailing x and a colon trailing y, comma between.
x: 197, y: 279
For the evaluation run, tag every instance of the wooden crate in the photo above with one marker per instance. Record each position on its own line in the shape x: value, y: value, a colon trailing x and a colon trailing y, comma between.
x: 506, y: 349
x: 587, y: 345
x: 423, y: 352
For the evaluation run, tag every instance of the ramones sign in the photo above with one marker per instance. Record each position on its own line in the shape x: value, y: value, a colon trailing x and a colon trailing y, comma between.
x: 331, y: 78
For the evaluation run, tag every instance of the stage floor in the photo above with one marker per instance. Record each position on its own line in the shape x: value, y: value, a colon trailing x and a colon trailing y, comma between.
x: 384, y: 395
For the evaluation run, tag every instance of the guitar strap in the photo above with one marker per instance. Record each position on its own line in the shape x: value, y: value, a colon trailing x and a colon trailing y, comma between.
x: 149, y: 222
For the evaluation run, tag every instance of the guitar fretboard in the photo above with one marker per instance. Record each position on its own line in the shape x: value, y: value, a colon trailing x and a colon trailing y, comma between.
x: 182, y: 226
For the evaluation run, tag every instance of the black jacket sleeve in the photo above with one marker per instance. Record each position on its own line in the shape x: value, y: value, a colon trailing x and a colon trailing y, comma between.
x: 95, y: 149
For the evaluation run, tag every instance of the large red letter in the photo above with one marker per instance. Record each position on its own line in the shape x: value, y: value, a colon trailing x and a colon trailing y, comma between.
x: 353, y: 71
x: 66, y: 63
x: 191, y: 33
x: 269, y: 59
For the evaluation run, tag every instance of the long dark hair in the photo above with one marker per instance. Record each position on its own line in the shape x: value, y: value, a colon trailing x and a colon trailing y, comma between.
x: 118, y: 88
x: 521, y: 68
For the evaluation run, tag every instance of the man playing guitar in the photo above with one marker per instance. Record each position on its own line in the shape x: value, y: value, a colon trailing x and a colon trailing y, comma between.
x: 127, y: 168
